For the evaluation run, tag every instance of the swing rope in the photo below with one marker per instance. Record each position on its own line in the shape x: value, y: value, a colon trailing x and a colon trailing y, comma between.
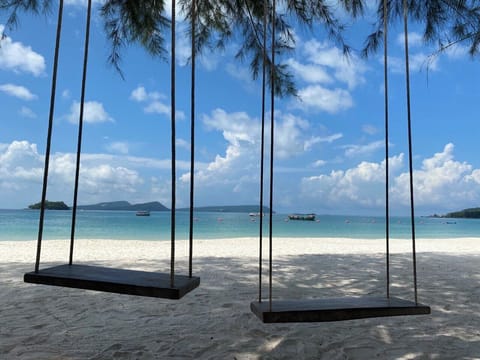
x: 272, y: 133
x: 262, y: 145
x: 387, y: 155
x: 173, y: 139
x: 410, y: 157
x: 80, y: 130
x: 49, y: 136
x: 192, y: 136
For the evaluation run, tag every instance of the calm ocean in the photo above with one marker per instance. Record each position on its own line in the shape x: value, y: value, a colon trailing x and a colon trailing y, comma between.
x: 23, y: 225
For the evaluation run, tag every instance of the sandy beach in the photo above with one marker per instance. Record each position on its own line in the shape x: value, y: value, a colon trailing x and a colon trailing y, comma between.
x: 215, y: 322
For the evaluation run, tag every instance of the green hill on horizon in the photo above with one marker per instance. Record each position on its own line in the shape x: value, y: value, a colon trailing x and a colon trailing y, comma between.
x: 472, y: 213
x: 50, y: 205
x: 125, y: 206
x: 148, y: 206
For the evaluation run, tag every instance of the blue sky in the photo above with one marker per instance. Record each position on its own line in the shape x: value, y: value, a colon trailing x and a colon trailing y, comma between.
x: 329, y: 142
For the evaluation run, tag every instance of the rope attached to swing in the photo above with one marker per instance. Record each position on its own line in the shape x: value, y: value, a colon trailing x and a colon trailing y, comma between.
x: 410, y: 156
x: 192, y: 136
x: 387, y: 153
x: 49, y: 135
x: 262, y: 145
x: 272, y: 138
x: 173, y: 160
x: 80, y: 131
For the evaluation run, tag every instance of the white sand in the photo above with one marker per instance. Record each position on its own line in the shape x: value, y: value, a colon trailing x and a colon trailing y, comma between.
x: 214, y: 321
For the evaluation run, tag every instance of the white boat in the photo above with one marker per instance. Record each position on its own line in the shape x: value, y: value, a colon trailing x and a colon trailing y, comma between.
x: 254, y: 214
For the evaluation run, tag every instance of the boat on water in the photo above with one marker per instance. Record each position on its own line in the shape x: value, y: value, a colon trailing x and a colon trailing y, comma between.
x: 306, y: 217
x: 143, y: 213
x: 254, y: 214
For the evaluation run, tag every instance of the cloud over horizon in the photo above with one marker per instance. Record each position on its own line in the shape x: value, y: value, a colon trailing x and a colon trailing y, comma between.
x: 15, y: 56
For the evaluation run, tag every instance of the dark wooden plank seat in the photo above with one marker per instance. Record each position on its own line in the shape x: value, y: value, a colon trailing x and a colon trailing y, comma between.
x: 121, y: 281
x: 335, y: 309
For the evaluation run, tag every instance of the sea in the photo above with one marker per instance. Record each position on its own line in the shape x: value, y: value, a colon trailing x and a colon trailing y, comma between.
x: 21, y: 225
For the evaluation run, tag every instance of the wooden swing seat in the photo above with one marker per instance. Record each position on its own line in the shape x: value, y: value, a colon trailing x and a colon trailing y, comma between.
x: 335, y: 309
x: 121, y: 281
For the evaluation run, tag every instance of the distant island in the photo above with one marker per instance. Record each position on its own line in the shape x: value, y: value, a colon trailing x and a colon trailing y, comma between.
x: 125, y: 206
x: 50, y: 205
x: 472, y: 213
x: 149, y: 206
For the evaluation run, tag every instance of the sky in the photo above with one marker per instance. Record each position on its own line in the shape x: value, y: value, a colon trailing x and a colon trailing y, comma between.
x: 329, y: 141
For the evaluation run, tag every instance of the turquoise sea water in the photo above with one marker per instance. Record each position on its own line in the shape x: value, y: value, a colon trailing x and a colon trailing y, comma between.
x: 23, y: 225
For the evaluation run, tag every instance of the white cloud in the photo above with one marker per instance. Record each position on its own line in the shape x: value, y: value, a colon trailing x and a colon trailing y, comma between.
x: 17, y: 57
x: 154, y: 102
x: 139, y: 94
x: 290, y: 135
x: 355, y: 187
x: 421, y: 61
x: 329, y: 76
x: 18, y: 91
x: 319, y: 139
x: 27, y: 112
x: 182, y: 143
x: 440, y: 183
x: 118, y: 147
x: 319, y: 163
x: 369, y: 129
x: 414, y: 39
x: 457, y: 51
x: 93, y: 112
x: 235, y: 173
x: 102, y: 177
x: 417, y: 62
x: 363, y: 150
x: 310, y: 73
x: 319, y: 98
x: 347, y: 70
x: 242, y: 73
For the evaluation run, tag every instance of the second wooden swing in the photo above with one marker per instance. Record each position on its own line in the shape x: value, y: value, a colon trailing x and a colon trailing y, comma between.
x: 332, y: 309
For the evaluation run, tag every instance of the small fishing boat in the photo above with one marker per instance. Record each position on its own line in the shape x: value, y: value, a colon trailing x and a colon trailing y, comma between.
x: 255, y: 214
x: 306, y: 217
x: 143, y: 213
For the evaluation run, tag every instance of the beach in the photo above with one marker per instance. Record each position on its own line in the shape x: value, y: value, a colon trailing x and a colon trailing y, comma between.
x: 214, y: 321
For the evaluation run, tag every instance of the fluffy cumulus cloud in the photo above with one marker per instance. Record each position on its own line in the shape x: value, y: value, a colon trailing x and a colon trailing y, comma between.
x: 440, y: 183
x: 15, y: 56
x: 357, y: 187
x: 235, y: 173
x: 154, y: 102
x: 328, y: 77
x: 18, y: 91
x: 318, y: 97
x: 21, y: 173
x: 93, y: 112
